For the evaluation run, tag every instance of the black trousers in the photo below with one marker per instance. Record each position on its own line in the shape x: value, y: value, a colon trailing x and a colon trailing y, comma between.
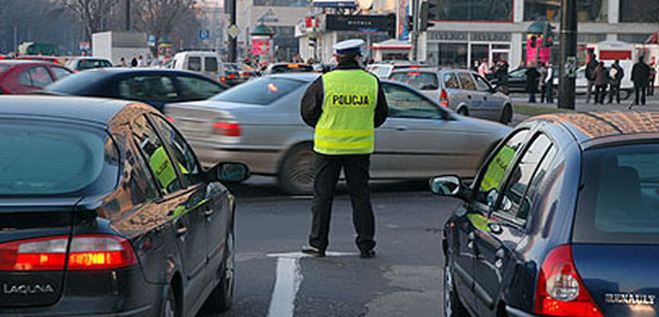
x: 600, y: 93
x: 615, y: 92
x: 356, y: 170
x: 639, y: 91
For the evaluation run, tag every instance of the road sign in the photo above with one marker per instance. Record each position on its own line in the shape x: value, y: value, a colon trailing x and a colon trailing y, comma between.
x: 204, y: 34
x: 151, y: 41
x: 233, y: 31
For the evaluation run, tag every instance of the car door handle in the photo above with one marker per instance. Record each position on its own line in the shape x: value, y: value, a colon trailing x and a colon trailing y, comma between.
x: 208, y: 211
x: 401, y: 128
x: 470, y: 240
x: 181, y: 229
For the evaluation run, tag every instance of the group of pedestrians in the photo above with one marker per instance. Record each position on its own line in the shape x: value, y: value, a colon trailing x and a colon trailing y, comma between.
x: 138, y: 61
x: 600, y: 78
x: 541, y: 77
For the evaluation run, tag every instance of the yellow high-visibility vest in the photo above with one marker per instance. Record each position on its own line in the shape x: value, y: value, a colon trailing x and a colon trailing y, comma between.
x: 346, y: 125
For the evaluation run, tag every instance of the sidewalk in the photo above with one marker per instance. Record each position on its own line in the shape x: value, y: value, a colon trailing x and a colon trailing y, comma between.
x: 652, y: 103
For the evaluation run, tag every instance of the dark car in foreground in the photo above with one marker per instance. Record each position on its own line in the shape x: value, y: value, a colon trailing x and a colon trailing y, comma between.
x: 155, y: 87
x: 105, y: 211
x: 560, y: 221
x: 24, y: 77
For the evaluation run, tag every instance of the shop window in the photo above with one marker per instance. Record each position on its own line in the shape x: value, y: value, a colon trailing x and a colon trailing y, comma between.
x: 475, y: 10
x: 587, y: 10
x: 454, y: 55
x: 639, y: 11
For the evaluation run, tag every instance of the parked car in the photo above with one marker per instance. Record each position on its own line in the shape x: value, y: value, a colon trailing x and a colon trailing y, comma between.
x: 208, y: 63
x: 81, y: 63
x: 560, y: 221
x: 383, y: 70
x: 237, y: 73
x: 258, y: 123
x: 153, y: 86
x: 280, y: 68
x: 461, y: 90
x: 107, y: 212
x: 24, y: 77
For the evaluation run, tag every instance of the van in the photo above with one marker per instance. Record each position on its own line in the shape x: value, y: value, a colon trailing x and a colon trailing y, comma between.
x: 206, y: 62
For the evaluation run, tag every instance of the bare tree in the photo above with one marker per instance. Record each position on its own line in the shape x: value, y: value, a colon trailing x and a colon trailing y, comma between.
x: 159, y: 17
x: 96, y: 15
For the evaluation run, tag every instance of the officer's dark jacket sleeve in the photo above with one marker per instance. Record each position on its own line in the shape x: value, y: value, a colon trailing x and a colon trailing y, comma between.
x: 312, y: 103
x: 381, y: 109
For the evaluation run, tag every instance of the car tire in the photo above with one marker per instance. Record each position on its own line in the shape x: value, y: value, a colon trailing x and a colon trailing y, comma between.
x: 506, y: 114
x: 296, y: 173
x: 170, y: 306
x: 452, y: 305
x: 463, y: 111
x: 221, y: 299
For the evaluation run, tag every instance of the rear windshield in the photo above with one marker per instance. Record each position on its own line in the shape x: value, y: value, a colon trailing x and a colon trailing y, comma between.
x: 291, y: 68
x: 619, y: 201
x: 75, y: 83
x: 262, y: 91
x: 93, y: 63
x: 416, y: 79
x: 39, y: 158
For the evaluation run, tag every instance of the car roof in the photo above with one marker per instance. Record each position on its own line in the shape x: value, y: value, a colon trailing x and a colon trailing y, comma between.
x: 605, y: 127
x: 23, y: 62
x: 95, y: 110
x: 128, y: 70
x: 89, y: 57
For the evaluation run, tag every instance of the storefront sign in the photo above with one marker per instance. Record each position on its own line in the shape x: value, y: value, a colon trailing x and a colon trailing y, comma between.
x: 490, y: 37
x: 448, y: 36
x: 358, y: 23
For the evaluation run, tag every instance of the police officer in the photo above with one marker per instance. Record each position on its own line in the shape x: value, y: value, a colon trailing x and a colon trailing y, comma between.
x: 344, y: 107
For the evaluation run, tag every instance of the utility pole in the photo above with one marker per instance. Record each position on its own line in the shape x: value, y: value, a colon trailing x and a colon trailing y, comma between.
x: 127, y: 15
x: 230, y: 6
x: 415, y: 30
x: 568, y: 63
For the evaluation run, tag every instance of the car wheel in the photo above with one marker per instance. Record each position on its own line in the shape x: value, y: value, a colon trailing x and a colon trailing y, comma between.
x: 506, y: 114
x: 221, y: 299
x: 463, y: 111
x: 452, y: 305
x: 169, y: 308
x: 296, y: 174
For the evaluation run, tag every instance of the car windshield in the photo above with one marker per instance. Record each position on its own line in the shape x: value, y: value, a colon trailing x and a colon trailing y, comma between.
x: 619, y: 200
x: 73, y: 84
x: 39, y: 158
x: 262, y: 91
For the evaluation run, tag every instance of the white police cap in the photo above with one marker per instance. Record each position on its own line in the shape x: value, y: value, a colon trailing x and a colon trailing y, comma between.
x: 349, y: 47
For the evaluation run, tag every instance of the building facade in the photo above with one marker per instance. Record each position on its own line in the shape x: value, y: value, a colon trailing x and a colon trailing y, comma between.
x: 470, y: 30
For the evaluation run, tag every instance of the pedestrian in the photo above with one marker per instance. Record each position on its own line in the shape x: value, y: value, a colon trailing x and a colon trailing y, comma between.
x: 484, y: 68
x: 501, y: 74
x: 532, y: 76
x: 590, y: 75
x: 542, y: 69
x: 653, y: 75
x: 133, y: 62
x: 548, y: 82
x: 640, y: 75
x: 474, y: 66
x: 122, y: 62
x: 601, y: 81
x: 140, y: 61
x: 343, y: 106
x: 616, y: 74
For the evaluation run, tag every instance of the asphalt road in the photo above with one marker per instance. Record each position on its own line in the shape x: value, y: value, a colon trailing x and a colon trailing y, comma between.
x: 404, y: 279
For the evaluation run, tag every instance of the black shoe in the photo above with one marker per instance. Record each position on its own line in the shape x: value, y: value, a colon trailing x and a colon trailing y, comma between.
x: 313, y: 251
x: 367, y: 254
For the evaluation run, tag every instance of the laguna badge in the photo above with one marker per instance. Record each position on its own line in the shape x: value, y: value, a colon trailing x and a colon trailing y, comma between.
x: 629, y: 299
x: 26, y: 289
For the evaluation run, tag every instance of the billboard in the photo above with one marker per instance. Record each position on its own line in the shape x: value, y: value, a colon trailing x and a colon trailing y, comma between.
x: 357, y: 23
x: 402, y: 14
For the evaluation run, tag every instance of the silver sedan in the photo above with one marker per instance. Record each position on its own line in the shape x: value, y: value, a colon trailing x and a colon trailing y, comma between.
x: 258, y: 123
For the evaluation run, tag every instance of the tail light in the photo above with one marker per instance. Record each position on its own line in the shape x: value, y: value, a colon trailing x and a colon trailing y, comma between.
x: 560, y: 290
x: 226, y: 128
x: 87, y: 252
x: 443, y: 98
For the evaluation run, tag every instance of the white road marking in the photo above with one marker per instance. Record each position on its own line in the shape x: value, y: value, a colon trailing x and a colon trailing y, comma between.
x: 288, y: 280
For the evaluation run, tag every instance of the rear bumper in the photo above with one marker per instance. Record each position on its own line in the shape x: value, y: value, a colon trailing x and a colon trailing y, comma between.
x: 515, y: 312
x: 117, y: 293
x: 259, y: 161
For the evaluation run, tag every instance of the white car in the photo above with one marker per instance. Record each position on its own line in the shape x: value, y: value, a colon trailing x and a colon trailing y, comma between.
x: 207, y: 62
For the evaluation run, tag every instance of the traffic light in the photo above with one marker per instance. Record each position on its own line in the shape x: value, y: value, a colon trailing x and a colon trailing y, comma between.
x: 428, y: 13
x: 548, y: 35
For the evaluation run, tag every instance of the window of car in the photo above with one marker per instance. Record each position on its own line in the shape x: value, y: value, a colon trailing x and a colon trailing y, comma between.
x: 619, y: 198
x: 482, y: 84
x: 155, y: 155
x: 518, y: 73
x: 84, y: 64
x: 262, y: 91
x: 195, y: 88
x: 405, y: 103
x: 194, y: 63
x: 36, y: 77
x: 43, y: 158
x: 210, y: 64
x: 74, y: 85
x: 61, y: 72
x: 181, y: 151
x: 416, y: 79
x: 491, y: 180
x: 25, y: 78
x: 142, y: 186
x: 515, y: 202
x: 148, y: 87
x: 466, y: 81
x: 451, y: 81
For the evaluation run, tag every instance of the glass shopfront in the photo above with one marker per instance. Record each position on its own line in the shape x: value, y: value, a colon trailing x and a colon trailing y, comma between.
x: 461, y: 49
x: 639, y: 11
x: 475, y: 10
x: 587, y: 10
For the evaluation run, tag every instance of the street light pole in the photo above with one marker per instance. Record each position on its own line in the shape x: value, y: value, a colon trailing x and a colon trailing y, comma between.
x: 233, y: 41
x: 568, y: 54
x: 415, y: 29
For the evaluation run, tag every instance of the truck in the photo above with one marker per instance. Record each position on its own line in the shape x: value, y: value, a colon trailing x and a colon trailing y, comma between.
x: 115, y: 45
x: 36, y: 48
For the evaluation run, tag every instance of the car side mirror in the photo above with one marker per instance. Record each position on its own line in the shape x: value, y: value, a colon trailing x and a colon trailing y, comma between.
x: 228, y: 172
x: 450, y: 186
